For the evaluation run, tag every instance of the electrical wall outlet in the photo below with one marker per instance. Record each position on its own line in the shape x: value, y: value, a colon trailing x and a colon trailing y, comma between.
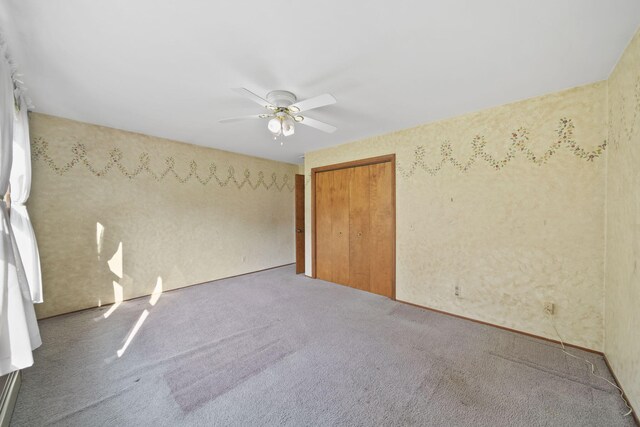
x: 549, y: 308
x: 457, y: 291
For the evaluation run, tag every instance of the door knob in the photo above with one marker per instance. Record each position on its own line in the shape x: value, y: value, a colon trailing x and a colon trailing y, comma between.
x: 298, y: 230
x: 359, y: 233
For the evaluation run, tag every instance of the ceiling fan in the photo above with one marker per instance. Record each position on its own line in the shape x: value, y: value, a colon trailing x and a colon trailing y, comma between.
x: 283, y: 110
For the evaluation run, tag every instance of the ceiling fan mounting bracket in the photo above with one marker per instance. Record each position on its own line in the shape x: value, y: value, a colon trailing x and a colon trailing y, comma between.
x: 281, y: 98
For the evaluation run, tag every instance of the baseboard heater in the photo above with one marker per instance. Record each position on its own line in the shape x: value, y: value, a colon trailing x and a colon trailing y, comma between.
x: 10, y: 385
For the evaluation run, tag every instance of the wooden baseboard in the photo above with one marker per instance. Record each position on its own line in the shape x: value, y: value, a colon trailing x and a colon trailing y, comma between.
x: 502, y: 327
x: 8, y: 397
x: 634, y: 414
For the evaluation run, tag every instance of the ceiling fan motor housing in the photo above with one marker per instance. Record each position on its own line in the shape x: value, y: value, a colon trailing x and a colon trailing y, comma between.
x: 281, y: 98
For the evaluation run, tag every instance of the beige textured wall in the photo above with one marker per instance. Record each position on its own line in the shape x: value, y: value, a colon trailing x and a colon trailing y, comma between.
x: 622, y: 284
x: 116, y: 209
x: 508, y: 203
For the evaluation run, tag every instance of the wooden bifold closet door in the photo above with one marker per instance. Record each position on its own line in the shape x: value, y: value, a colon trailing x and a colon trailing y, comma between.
x: 355, y: 227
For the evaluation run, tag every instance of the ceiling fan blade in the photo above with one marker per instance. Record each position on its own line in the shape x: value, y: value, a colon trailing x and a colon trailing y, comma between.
x: 235, y: 119
x: 252, y: 96
x: 318, y: 124
x: 315, y: 102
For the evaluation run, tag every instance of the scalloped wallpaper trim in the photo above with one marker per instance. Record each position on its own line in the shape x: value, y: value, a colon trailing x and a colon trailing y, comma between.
x: 519, y: 140
x: 40, y: 152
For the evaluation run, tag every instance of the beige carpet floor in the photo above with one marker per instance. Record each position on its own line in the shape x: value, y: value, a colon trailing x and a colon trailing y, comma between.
x: 273, y: 348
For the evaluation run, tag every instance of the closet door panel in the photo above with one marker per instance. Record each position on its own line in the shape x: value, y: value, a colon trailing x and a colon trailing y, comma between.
x: 382, y: 233
x: 340, y: 225
x: 359, y: 228
x: 323, y: 226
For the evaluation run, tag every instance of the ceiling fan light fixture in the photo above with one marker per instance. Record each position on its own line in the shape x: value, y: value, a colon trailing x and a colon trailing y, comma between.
x: 298, y: 119
x: 275, y: 126
x: 294, y: 109
x: 288, y: 127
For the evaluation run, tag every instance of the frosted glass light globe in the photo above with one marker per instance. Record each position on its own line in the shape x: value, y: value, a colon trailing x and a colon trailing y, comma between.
x: 275, y: 126
x: 288, y: 127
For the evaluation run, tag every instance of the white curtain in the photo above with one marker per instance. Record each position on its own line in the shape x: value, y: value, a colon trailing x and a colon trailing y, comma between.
x: 20, y: 187
x: 19, y: 334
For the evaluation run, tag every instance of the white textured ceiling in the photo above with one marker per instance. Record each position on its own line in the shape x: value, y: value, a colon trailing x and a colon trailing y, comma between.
x: 165, y: 68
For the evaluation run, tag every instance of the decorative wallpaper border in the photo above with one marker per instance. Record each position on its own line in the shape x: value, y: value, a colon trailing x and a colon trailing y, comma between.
x: 518, y: 143
x: 40, y: 151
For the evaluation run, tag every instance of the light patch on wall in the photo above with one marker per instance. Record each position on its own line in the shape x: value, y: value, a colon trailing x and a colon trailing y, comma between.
x: 118, y: 297
x: 99, y: 237
x: 115, y: 263
x: 157, y: 291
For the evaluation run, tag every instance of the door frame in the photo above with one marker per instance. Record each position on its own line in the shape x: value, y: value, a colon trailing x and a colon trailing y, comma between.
x: 299, y: 183
x: 354, y: 163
